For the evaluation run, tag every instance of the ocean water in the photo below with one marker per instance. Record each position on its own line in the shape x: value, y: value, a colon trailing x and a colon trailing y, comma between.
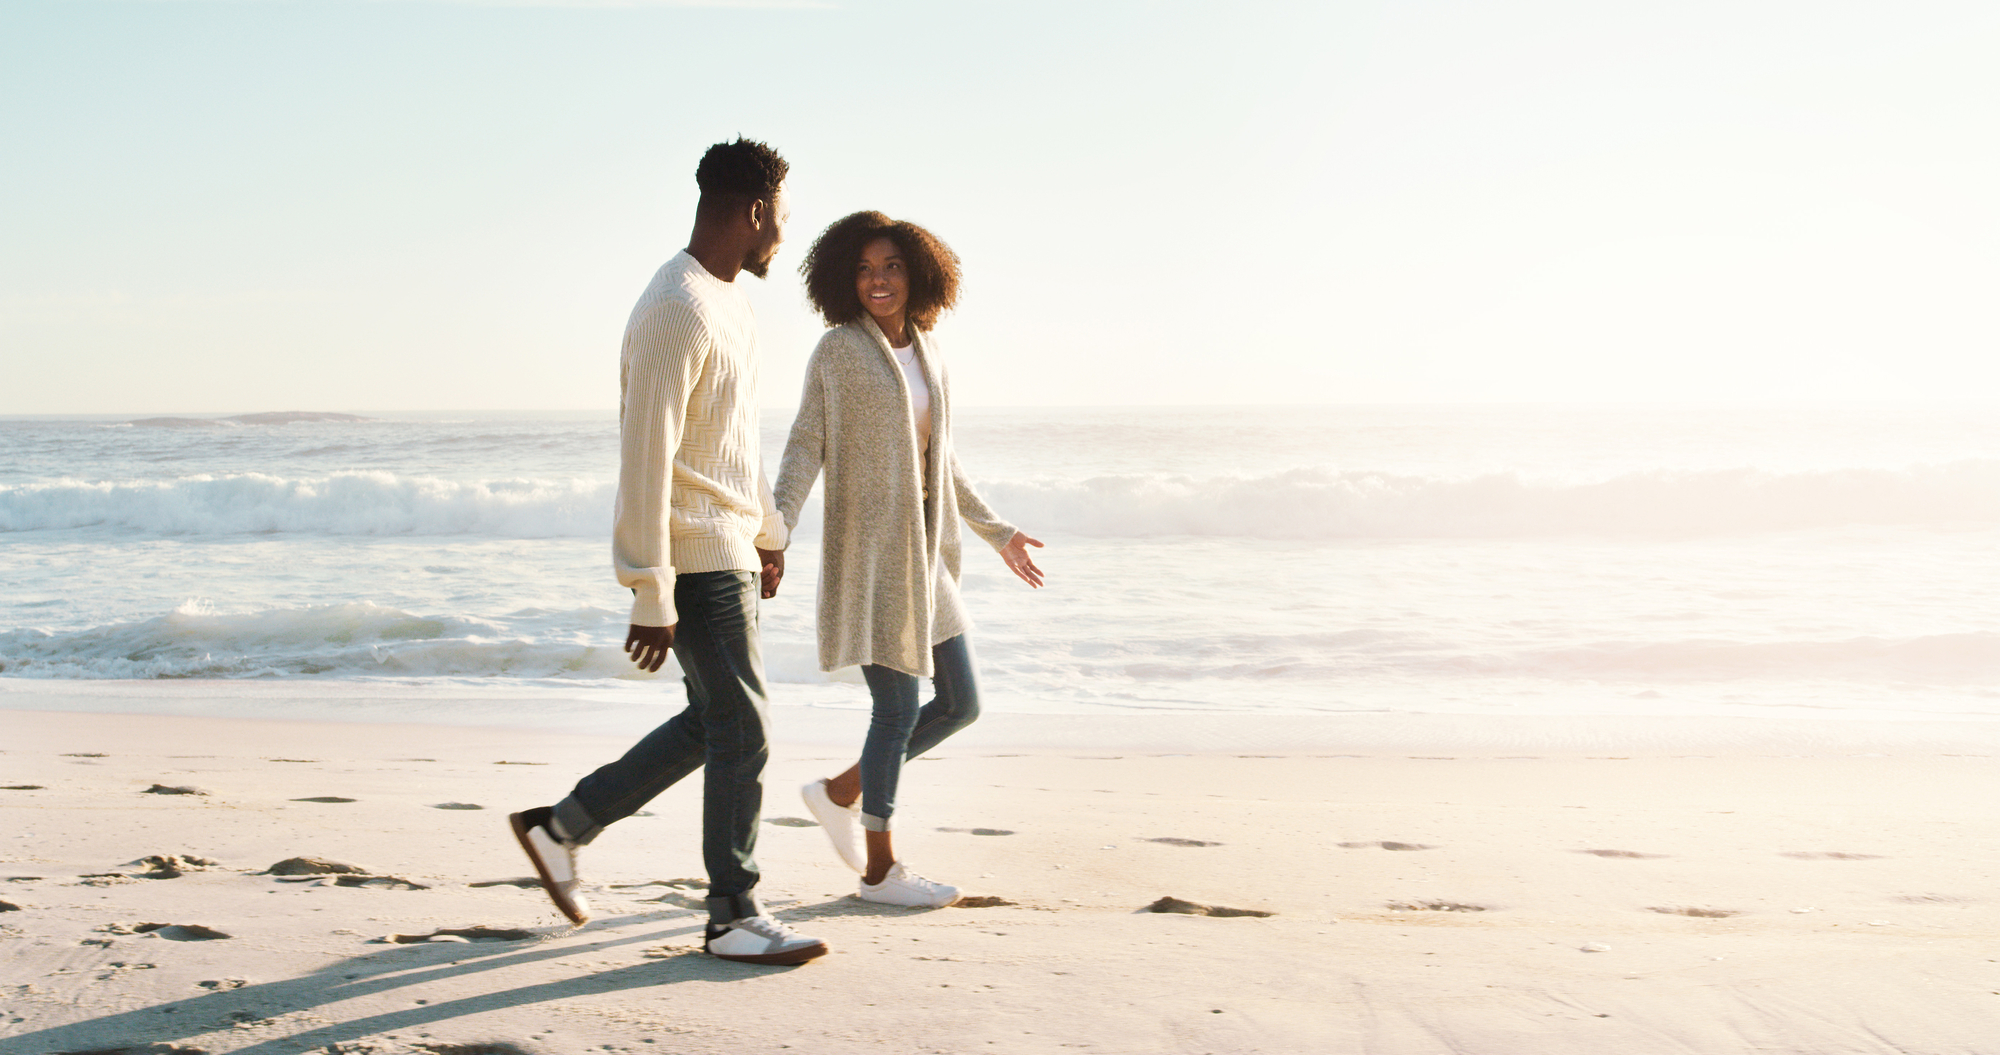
x: 1835, y: 562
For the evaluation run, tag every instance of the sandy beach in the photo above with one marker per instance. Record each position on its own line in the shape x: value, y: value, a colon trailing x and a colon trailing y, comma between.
x: 1465, y: 899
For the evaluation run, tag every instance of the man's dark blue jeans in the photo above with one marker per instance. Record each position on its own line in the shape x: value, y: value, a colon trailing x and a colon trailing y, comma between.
x: 725, y: 727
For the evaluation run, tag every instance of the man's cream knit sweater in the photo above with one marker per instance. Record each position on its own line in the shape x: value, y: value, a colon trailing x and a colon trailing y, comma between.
x: 691, y: 490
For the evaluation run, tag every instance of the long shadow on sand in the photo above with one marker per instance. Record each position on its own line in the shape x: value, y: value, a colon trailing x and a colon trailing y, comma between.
x: 383, y: 971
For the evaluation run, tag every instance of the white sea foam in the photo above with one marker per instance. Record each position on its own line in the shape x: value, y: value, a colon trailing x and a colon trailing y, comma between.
x: 1319, y: 503
x: 349, y: 503
x: 356, y: 639
x: 1297, y: 504
x: 367, y: 640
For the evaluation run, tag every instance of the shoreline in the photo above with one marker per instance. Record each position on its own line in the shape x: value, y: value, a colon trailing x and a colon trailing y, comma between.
x: 622, y: 715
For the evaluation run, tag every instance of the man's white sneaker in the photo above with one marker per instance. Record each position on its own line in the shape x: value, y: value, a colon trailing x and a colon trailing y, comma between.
x: 904, y: 887
x: 554, y: 861
x: 842, y: 824
x: 761, y: 939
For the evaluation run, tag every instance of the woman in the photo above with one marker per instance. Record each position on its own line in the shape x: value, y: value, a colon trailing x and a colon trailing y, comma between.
x: 876, y: 417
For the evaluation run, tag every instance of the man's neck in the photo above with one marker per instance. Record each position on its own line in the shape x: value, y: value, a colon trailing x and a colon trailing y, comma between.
x: 717, y: 261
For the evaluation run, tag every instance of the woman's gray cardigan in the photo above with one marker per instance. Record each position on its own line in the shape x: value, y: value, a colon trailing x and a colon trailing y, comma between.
x: 888, y: 578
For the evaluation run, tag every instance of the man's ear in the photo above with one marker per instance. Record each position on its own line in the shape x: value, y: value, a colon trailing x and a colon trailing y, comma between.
x: 760, y: 214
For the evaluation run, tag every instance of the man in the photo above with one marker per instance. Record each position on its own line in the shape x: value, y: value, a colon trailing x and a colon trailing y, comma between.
x: 695, y: 526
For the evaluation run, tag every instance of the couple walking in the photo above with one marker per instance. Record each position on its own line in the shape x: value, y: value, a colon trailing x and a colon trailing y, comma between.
x: 699, y: 536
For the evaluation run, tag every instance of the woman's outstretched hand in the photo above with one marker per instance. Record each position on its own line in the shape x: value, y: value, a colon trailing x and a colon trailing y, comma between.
x: 1015, y: 553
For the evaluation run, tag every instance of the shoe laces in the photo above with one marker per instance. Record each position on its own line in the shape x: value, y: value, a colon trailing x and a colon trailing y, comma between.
x: 767, y: 927
x: 903, y: 873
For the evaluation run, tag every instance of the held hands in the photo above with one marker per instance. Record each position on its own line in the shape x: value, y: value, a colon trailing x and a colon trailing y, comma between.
x: 648, y: 645
x: 1015, y: 553
x: 773, y: 561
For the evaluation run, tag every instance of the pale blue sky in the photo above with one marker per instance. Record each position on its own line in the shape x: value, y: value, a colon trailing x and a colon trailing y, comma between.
x: 340, y: 204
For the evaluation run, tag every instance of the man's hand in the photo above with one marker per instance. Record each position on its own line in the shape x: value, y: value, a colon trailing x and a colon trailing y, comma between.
x: 648, y: 645
x: 773, y: 561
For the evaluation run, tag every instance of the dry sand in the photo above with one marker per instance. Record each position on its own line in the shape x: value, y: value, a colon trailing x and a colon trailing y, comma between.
x: 1484, y: 901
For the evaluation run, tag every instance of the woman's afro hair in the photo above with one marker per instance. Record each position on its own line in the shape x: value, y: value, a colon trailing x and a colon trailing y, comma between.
x: 831, y: 265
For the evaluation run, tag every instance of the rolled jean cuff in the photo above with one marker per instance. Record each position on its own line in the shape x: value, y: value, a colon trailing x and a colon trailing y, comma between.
x: 729, y: 908
x: 874, y: 823
x: 578, y: 826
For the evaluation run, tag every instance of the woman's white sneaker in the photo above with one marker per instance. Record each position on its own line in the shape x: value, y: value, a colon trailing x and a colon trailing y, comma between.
x: 842, y: 824
x: 904, y: 887
x: 761, y: 939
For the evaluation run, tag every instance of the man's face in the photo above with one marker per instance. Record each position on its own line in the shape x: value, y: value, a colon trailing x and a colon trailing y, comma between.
x: 773, y: 214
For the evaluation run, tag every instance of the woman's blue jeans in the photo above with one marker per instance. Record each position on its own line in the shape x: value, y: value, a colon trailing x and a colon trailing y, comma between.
x: 900, y: 731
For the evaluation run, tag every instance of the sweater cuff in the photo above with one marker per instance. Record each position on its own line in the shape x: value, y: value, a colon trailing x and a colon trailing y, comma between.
x: 652, y: 606
x: 773, y: 534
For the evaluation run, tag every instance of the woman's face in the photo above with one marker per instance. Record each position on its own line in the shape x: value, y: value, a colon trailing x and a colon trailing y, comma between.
x: 883, y: 281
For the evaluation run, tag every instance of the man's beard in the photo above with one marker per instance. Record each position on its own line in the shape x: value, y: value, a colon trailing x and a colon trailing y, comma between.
x: 760, y: 268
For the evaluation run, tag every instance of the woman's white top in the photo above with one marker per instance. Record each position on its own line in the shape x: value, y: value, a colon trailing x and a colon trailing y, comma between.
x: 920, y: 395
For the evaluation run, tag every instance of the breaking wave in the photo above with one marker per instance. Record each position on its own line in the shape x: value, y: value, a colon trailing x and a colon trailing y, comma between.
x: 1298, y: 504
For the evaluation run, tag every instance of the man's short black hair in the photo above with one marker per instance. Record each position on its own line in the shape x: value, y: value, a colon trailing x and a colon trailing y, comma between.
x: 732, y: 174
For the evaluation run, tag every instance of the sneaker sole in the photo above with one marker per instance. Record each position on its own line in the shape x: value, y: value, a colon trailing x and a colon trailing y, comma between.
x: 777, y: 959
x: 863, y: 895
x: 519, y: 822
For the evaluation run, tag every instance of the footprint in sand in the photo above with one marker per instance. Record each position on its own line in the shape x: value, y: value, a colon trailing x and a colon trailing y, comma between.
x: 370, y: 881
x: 524, y: 882
x: 85, y: 754
x: 977, y: 831
x: 983, y: 901
x: 456, y: 806
x: 1194, y: 908
x: 791, y: 822
x: 169, y: 931
x: 301, y: 760
x: 1385, y: 846
x: 170, y: 866
x: 459, y: 934
x: 302, y: 866
x: 1934, y: 899
x: 678, y: 884
x: 9, y: 906
x: 1633, y: 855
x: 221, y: 984
x: 1434, y: 906
x: 22, y: 787
x: 1830, y: 855
x: 324, y: 798
x: 163, y: 789
x: 1171, y: 840
x: 1699, y: 913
